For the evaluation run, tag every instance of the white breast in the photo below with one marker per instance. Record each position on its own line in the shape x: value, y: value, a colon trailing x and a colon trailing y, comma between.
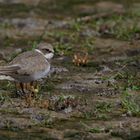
x: 41, y: 74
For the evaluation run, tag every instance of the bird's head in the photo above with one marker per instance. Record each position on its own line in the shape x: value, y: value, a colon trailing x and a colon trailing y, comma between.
x: 46, y: 49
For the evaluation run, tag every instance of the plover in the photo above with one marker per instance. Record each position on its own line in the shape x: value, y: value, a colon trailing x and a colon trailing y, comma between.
x: 29, y: 66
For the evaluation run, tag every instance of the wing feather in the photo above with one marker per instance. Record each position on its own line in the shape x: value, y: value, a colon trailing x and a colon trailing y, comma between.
x: 9, y: 69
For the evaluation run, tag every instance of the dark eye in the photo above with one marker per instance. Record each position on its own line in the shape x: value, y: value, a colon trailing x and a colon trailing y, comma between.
x: 46, y: 51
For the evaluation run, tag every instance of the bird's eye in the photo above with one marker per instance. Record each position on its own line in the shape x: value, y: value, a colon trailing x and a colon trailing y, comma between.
x: 46, y: 51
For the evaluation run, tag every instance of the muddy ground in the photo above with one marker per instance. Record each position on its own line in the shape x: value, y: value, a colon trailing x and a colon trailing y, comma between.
x: 97, y: 100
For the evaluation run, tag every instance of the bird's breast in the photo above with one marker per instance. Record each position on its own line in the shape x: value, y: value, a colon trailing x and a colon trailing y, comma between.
x: 42, y: 73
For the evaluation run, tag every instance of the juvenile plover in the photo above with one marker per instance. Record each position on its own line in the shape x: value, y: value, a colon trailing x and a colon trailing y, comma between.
x: 29, y: 66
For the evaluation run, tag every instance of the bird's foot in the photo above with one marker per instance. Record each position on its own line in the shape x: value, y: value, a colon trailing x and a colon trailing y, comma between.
x: 24, y: 89
x: 34, y: 88
x: 19, y: 89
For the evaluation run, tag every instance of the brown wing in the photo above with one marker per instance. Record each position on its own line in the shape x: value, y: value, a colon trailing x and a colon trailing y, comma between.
x: 9, y: 69
x: 30, y: 62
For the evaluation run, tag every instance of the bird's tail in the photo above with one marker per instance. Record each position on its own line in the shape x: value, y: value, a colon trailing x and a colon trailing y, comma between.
x: 6, y: 70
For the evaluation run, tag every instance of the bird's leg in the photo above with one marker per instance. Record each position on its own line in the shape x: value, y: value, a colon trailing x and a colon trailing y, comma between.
x: 18, y: 89
x: 28, y: 89
x: 28, y: 95
x: 34, y: 87
x: 28, y: 86
x: 22, y: 87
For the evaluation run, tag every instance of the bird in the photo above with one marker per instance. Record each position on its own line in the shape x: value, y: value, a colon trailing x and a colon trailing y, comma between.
x: 29, y: 66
